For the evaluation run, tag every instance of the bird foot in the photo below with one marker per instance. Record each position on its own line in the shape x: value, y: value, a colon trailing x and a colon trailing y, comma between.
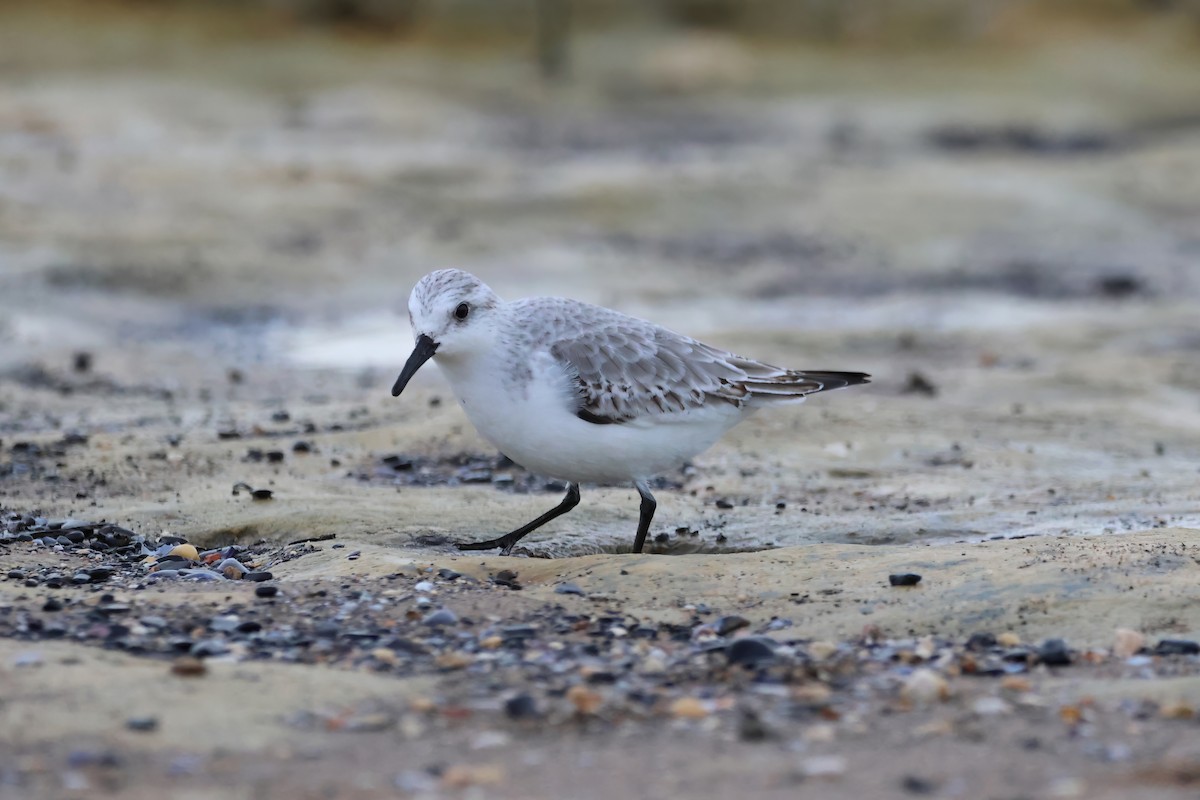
x: 505, y: 543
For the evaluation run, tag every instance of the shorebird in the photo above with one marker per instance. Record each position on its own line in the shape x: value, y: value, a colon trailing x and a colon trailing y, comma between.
x: 586, y: 394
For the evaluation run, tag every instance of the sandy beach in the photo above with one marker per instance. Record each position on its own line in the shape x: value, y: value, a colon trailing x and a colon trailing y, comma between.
x: 207, y: 239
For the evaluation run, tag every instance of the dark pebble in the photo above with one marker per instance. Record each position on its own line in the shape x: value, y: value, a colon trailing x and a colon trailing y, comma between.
x: 750, y: 651
x: 729, y: 624
x: 142, y: 724
x: 16, y: 575
x: 725, y: 504
x: 100, y: 574
x: 1177, y: 647
x: 261, y: 494
x: 521, y: 706
x: 567, y: 588
x: 52, y: 604
x: 302, y: 447
x: 266, y: 591
x: 917, y: 785
x: 257, y: 576
x: 448, y: 574
x: 981, y: 641
x: 904, y: 579
x: 274, y: 456
x: 81, y: 578
x: 1054, y: 652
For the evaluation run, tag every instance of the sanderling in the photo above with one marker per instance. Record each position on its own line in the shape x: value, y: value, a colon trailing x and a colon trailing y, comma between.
x: 586, y: 394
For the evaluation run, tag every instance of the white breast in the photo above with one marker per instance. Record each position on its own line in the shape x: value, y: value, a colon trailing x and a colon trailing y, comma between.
x: 530, y: 417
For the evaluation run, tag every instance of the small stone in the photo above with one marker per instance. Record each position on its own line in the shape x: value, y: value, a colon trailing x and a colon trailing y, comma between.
x: 424, y: 587
x: 729, y: 624
x: 206, y: 648
x: 1054, y: 653
x: 491, y: 642
x: 981, y: 641
x: 225, y: 624
x: 1176, y: 647
x: 925, y: 687
x: 688, y: 708
x: 1008, y: 639
x: 453, y: 660
x: 914, y: 784
x: 142, y: 724
x: 1127, y: 642
x: 521, y: 706
x: 443, y: 616
x: 258, y: 576
x: 904, y: 579
x: 185, y: 550
x: 821, y: 650
x: 828, y: 767
x: 52, y: 604
x: 567, y: 588
x: 266, y: 591
x: 750, y: 651
x: 231, y: 568
x: 585, y: 700
x: 188, y: 667
x: 447, y: 574
x: 1179, y: 709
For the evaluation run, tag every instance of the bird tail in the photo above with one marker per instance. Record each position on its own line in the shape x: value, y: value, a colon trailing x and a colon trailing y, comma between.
x: 797, y: 384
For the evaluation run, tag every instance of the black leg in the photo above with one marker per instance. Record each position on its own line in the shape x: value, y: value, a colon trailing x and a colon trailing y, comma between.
x: 647, y: 514
x: 506, y: 542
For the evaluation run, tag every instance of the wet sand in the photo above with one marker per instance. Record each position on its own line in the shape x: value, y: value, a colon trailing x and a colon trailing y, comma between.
x: 1014, y: 261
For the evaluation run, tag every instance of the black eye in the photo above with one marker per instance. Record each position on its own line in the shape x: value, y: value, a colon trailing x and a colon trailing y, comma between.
x: 462, y: 311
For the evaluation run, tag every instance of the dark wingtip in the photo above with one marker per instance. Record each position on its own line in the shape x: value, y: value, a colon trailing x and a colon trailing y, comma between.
x: 837, y: 380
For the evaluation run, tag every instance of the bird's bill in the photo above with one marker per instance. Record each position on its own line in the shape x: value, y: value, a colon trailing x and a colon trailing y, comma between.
x: 424, y: 351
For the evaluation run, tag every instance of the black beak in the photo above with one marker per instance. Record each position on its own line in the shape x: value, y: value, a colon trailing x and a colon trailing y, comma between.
x: 424, y: 351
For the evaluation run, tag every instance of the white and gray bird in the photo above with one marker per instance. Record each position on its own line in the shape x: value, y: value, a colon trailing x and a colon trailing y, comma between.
x: 586, y: 394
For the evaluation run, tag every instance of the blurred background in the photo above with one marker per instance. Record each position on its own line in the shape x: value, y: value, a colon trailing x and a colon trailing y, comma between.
x: 211, y: 214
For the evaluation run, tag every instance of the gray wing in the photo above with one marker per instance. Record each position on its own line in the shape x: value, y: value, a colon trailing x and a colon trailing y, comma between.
x: 627, y: 368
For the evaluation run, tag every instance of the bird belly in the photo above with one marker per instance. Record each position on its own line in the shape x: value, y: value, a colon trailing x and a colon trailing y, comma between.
x: 534, y: 426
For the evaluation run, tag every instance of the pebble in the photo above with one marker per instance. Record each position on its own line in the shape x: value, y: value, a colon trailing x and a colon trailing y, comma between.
x: 1008, y: 639
x: 188, y: 667
x: 904, y: 579
x: 443, y: 616
x: 266, y: 591
x: 586, y: 701
x: 231, y: 568
x: 925, y: 687
x: 424, y: 587
x: 448, y: 574
x: 521, y: 706
x: 728, y: 624
x: 1127, y: 642
x: 258, y: 576
x: 1054, y: 652
x: 751, y: 651
x: 1177, y: 647
x: 187, y: 551
x: 689, y: 708
x: 142, y: 724
x: 567, y: 588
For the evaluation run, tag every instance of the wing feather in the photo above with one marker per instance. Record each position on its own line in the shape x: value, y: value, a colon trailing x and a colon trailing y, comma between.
x: 626, y: 368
